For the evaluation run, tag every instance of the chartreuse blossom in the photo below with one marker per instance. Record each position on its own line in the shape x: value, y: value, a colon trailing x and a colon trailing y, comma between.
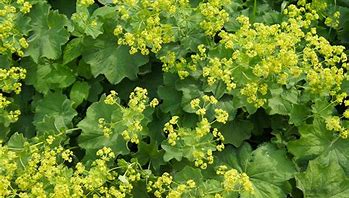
x: 9, y: 79
x: 85, y: 22
x: 334, y: 123
x: 214, y: 15
x: 154, y: 103
x: 85, y: 2
x: 10, y: 83
x: 152, y: 32
x: 207, y: 137
x: 132, y: 115
x: 165, y: 185
x: 44, y: 168
x: 235, y: 181
x: 11, y: 39
x: 111, y: 98
x: 158, y: 28
x: 106, y: 127
x: 257, y: 57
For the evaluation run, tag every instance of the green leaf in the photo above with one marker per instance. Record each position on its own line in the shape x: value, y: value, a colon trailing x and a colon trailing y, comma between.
x: 170, y: 97
x: 188, y: 173
x: 322, y: 108
x: 278, y: 104
x: 299, y: 113
x: 92, y: 137
x: 268, y: 167
x: 186, y: 146
x: 150, y: 153
x: 344, y: 24
x: 84, y: 24
x: 115, y: 62
x: 323, y: 180
x: 46, y: 76
x: 235, y: 132
x: 64, y: 7
x: 16, y: 141
x: 24, y: 125
x: 50, y: 125
x: 104, y: 2
x: 97, y: 88
x: 224, y: 103
x: 190, y: 89
x: 4, y: 132
x: 172, y: 153
x: 79, y: 92
x: 316, y: 141
x: 56, y: 105
x: 48, y: 32
x: 72, y: 50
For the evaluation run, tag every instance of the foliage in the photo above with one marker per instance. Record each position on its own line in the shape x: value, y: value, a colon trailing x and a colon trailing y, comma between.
x: 174, y: 98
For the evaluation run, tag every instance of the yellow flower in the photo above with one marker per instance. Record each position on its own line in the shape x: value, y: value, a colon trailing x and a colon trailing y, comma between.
x: 111, y: 98
x: 154, y: 103
x: 195, y: 103
x: 221, y: 115
x: 346, y: 113
x: 333, y: 123
x: 86, y: 2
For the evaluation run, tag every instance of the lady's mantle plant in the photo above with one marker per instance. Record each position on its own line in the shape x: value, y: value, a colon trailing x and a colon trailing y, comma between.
x: 174, y: 98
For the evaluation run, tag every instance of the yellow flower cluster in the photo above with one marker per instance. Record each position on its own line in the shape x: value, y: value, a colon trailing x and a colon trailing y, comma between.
x: 221, y: 116
x: 331, y: 17
x: 333, y: 123
x: 203, y: 159
x: 264, y: 56
x: 67, y: 155
x: 200, y: 106
x: 181, y: 189
x: 44, y: 168
x: 235, y: 181
x: 204, y: 127
x: 333, y: 21
x: 3, y: 101
x: 182, y: 67
x: 106, y: 127
x: 9, y: 82
x: 214, y: 15
x: 11, y: 39
x: 208, y: 138
x: 252, y: 90
x: 162, y: 186
x: 276, y: 60
x: 219, y: 69
x: 202, y: 154
x: 8, y: 167
x: 9, y: 79
x: 154, y: 103
x: 111, y: 99
x: 86, y: 2
x: 138, y: 99
x: 132, y: 115
x: 151, y: 32
x: 170, y: 128
x: 13, y: 115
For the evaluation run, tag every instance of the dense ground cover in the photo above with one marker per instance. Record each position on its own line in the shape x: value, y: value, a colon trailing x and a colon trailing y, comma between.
x: 174, y: 98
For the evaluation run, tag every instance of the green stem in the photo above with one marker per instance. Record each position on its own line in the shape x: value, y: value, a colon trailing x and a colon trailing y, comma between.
x: 254, y: 8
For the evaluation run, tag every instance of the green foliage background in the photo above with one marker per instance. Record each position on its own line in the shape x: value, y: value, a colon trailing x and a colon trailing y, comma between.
x: 283, y: 146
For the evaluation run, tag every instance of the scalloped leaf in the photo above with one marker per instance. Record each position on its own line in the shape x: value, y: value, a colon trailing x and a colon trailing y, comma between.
x: 48, y: 32
x: 113, y: 61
